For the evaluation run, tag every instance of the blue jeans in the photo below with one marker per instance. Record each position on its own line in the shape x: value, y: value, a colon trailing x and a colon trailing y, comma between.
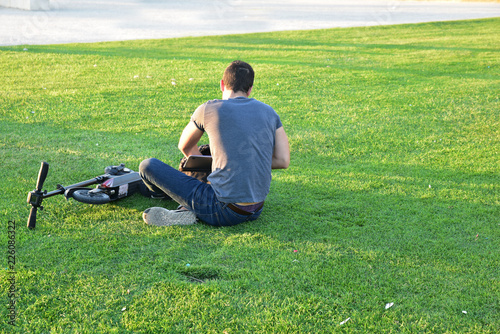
x: 191, y: 193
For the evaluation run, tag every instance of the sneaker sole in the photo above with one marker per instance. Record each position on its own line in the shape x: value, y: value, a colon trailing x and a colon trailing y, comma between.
x: 162, y: 217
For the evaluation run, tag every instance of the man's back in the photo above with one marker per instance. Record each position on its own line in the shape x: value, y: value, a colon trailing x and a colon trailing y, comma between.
x: 242, y: 136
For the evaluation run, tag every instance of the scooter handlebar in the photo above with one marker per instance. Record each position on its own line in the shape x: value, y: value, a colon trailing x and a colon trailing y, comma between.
x: 42, y: 175
x: 36, y: 196
x: 32, y: 218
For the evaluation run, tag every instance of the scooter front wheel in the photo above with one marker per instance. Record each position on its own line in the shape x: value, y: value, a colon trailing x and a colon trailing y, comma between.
x: 91, y: 197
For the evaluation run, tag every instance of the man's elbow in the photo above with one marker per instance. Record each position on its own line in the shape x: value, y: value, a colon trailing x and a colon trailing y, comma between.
x: 285, y: 163
x: 182, y: 148
x: 282, y: 163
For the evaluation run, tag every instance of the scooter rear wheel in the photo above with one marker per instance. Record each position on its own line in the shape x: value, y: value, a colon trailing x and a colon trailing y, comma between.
x: 91, y: 197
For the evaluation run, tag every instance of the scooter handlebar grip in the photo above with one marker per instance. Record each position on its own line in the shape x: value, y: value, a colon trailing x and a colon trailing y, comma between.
x: 42, y: 175
x: 32, y: 218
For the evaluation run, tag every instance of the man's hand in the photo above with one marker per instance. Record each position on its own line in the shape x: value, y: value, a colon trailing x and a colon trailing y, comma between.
x: 188, y: 142
x: 281, y: 155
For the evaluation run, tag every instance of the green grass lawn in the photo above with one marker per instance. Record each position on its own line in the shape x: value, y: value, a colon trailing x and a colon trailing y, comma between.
x: 392, y: 196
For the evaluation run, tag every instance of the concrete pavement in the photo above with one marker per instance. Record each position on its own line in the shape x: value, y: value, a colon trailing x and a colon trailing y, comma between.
x: 70, y: 21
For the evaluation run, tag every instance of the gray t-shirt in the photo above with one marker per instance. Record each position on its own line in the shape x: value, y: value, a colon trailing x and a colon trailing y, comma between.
x: 242, y: 137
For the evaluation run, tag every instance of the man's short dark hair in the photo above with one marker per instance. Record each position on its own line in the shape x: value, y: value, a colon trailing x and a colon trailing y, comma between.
x: 238, y: 76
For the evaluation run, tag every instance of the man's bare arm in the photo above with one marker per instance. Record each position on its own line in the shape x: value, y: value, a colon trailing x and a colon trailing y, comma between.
x: 188, y: 142
x: 281, y: 155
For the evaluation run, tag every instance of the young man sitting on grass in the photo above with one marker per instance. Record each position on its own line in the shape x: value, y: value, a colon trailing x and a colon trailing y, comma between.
x: 246, y: 141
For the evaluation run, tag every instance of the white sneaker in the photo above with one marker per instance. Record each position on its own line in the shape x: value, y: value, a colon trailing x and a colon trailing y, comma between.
x: 162, y: 217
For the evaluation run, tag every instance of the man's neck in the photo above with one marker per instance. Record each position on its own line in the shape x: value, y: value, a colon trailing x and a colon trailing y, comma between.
x: 229, y: 94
